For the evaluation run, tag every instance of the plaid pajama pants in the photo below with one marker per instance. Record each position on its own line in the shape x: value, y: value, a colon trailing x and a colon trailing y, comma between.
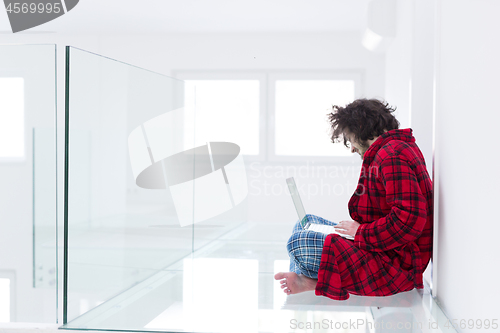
x: 305, y: 248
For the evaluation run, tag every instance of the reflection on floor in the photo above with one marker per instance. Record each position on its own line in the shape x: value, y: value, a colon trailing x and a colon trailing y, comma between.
x: 228, y: 286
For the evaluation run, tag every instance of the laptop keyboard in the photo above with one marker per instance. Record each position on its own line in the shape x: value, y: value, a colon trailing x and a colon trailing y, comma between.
x: 326, y: 229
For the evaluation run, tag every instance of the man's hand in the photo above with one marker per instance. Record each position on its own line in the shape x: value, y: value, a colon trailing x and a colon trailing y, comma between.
x: 347, y: 227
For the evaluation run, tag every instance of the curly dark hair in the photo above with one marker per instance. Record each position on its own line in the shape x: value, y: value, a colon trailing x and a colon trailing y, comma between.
x: 363, y: 118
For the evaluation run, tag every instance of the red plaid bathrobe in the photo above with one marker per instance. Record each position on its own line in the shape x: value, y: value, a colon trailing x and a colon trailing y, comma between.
x: 392, y: 246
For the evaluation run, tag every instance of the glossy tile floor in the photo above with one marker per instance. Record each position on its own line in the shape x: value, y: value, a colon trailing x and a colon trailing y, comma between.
x: 228, y: 286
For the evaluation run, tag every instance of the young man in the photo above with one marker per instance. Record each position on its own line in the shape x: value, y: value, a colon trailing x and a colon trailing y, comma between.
x: 392, y: 210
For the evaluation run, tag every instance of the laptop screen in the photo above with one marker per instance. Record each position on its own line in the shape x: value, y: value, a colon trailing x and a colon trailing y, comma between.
x: 297, y: 202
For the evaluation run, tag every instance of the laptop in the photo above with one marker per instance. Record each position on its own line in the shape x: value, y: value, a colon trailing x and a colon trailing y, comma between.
x: 299, y: 207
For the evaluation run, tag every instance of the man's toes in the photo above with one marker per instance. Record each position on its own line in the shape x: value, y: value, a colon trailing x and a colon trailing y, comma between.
x: 279, y: 276
x: 283, y: 281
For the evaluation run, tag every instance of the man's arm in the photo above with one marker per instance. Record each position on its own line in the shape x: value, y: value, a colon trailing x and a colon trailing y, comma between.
x: 408, y: 214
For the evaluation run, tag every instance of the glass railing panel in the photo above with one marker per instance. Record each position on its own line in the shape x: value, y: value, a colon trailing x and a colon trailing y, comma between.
x: 125, y: 129
x: 28, y: 267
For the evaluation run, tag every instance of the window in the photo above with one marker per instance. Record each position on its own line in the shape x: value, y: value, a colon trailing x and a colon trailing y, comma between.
x: 272, y: 116
x: 301, y: 109
x: 12, y: 118
x: 226, y: 110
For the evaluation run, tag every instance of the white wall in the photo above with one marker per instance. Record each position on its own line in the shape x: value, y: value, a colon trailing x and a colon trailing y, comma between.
x: 467, y: 159
x: 422, y: 67
x: 398, y: 63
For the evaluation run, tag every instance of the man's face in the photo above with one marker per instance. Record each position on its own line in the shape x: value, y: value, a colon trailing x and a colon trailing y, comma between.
x: 356, y: 146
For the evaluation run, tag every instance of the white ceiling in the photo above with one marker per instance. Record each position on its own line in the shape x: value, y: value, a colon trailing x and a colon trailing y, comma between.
x: 174, y: 16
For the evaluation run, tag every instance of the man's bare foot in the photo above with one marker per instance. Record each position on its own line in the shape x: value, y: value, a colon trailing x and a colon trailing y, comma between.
x: 291, y: 283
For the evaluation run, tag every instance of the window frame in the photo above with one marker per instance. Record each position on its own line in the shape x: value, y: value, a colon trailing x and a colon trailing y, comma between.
x: 267, y: 112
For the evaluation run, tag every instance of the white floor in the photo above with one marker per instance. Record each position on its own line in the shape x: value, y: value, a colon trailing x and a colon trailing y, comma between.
x: 228, y: 286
